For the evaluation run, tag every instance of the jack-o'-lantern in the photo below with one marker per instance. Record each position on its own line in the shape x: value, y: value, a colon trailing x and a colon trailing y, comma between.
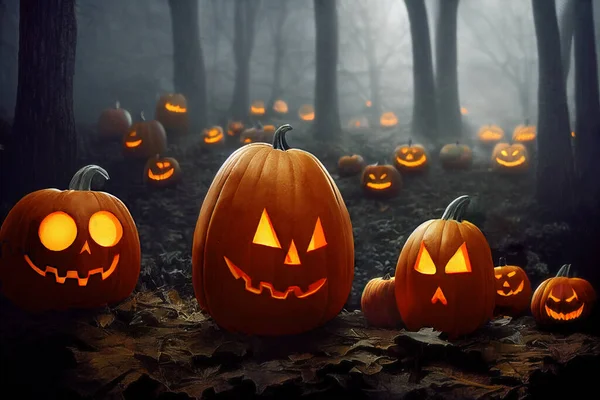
x: 75, y: 248
x: 114, y: 122
x: 410, y: 157
x: 378, y: 303
x: 368, y: 103
x: 145, y: 139
x: 381, y: 180
x: 282, y: 263
x: 388, y: 120
x: 162, y: 171
x: 562, y: 299
x: 456, y: 156
x: 524, y: 134
x: 171, y: 111
x: 251, y: 135
x: 513, y: 289
x: 280, y: 107
x: 358, y: 123
x: 573, y: 134
x: 235, y: 128
x: 213, y: 135
x: 510, y: 157
x: 267, y: 133
x: 351, y: 165
x: 257, y: 108
x: 464, y: 111
x: 445, y: 275
x: 306, y: 112
x: 490, y: 134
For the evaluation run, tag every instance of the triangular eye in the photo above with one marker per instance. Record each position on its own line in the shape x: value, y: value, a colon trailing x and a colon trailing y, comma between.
x: 166, y: 164
x: 459, y: 263
x: 424, y: 264
x: 265, y: 234
x: 318, y: 237
x: 159, y: 164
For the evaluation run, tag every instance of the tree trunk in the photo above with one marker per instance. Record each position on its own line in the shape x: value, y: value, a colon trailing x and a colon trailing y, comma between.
x: 449, y: 115
x: 566, y: 10
x: 189, y: 74
x: 555, y: 165
x: 279, y: 49
x: 43, y: 145
x: 424, y: 120
x: 373, y: 70
x: 327, y: 114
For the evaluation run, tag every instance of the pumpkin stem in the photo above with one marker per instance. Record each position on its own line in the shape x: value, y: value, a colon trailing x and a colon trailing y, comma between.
x: 563, y: 271
x: 82, y: 180
x: 457, y: 142
x: 279, y: 141
x: 502, y: 262
x: 456, y: 210
x: 143, y: 118
x: 117, y: 105
x: 409, y: 142
x: 387, y: 277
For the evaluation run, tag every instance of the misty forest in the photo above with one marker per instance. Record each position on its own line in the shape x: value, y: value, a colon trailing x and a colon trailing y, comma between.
x: 234, y: 199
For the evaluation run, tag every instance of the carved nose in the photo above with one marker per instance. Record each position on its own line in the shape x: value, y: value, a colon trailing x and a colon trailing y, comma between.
x: 292, y: 257
x: 409, y: 157
x: 506, y: 284
x: 86, y: 247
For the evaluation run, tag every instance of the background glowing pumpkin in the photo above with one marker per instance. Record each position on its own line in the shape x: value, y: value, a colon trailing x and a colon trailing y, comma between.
x: 213, y: 135
x: 456, y: 156
x: 280, y: 107
x: 378, y: 303
x: 524, y: 134
x: 513, y: 289
x: 306, y: 112
x: 510, y: 158
x: 351, y: 165
x: 257, y: 108
x: 171, y: 111
x: 75, y: 248
x: 410, y: 157
x: 162, y: 171
x: 388, y: 120
x: 358, y: 123
x: 235, y: 128
x: 445, y: 275
x: 114, y: 122
x: 145, y: 139
x: 381, y: 181
x: 273, y: 250
x: 490, y: 134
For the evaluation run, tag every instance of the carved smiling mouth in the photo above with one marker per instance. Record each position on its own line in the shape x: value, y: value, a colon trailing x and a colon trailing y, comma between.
x: 564, y: 316
x: 512, y: 292
x: 416, y: 163
x: 74, y: 274
x: 379, y: 186
x: 213, y: 139
x: 174, y: 108
x: 238, y: 273
x: 135, y: 143
x: 520, y: 161
x: 161, y: 177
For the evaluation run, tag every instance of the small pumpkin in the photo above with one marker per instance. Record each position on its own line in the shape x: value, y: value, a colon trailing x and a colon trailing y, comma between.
x: 213, y: 135
x: 456, y: 156
x: 235, y: 128
x: 351, y: 165
x: 445, y: 275
x: 162, y: 171
x: 510, y: 157
x: 280, y: 107
x: 145, y: 139
x: 410, y: 157
x: 114, y: 122
x: 306, y: 112
x: 524, y: 134
x: 388, y: 120
x: 513, y: 289
x: 73, y: 248
x: 358, y: 123
x: 172, y: 112
x: 490, y: 134
x: 257, y: 108
x: 381, y: 181
x: 562, y: 299
x: 378, y: 303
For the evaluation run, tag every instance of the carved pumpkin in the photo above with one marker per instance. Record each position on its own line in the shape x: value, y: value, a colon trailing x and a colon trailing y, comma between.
x: 273, y: 250
x: 456, y: 156
x: 368, y: 104
x: 162, y: 171
x: 513, y: 289
x: 114, y: 122
x: 410, y: 158
x: 351, y: 165
x: 235, y: 128
x: 171, y: 112
x: 524, y: 134
x: 75, y: 248
x: 381, y: 180
x: 280, y: 107
x: 306, y: 113
x: 490, y: 134
x: 445, y: 275
x: 145, y: 139
x: 358, y: 123
x: 378, y: 303
x: 562, y: 299
x: 258, y: 134
x: 510, y: 158
x: 213, y: 135
x: 464, y: 111
x: 268, y: 131
x: 257, y: 108
x: 388, y: 120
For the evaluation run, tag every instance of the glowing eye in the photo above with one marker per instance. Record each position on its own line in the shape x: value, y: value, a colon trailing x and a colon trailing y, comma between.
x: 159, y: 164
x: 553, y: 297
x: 57, y: 231
x: 504, y: 153
x: 318, y: 237
x: 265, y: 234
x: 424, y: 262
x: 371, y: 176
x: 404, y: 150
x: 511, y: 274
x: 166, y: 164
x: 383, y: 176
x: 459, y: 263
x: 498, y: 276
x: 105, y: 229
x: 514, y: 153
x: 134, y: 133
x: 574, y: 297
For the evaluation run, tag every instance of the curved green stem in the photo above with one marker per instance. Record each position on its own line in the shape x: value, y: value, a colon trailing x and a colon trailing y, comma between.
x: 387, y: 277
x: 82, y: 180
x: 564, y: 271
x: 456, y: 210
x: 279, y: 141
x: 142, y: 117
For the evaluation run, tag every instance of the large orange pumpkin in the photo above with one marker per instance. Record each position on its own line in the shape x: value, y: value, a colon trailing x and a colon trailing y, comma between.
x: 75, y: 248
x: 378, y: 303
x: 273, y: 250
x: 445, y: 275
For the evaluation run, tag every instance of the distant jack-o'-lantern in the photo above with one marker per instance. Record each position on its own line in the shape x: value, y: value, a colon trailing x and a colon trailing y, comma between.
x: 280, y: 107
x: 162, y: 171
x: 381, y: 181
x: 114, y: 122
x: 513, y: 289
x: 257, y: 108
x: 235, y: 128
x: 490, y: 134
x: 306, y: 112
x: 510, y: 157
x: 562, y: 299
x: 358, y: 123
x: 351, y: 165
x: 464, y: 111
x: 73, y: 248
x: 388, y: 120
x: 145, y: 139
x: 267, y: 133
x: 456, y: 156
x: 524, y: 134
x: 368, y: 103
x: 445, y: 275
x: 171, y: 111
x: 410, y: 157
x: 213, y: 135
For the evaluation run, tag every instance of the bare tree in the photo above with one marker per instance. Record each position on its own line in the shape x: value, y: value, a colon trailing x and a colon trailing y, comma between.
x: 566, y: 11
x: 279, y: 47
